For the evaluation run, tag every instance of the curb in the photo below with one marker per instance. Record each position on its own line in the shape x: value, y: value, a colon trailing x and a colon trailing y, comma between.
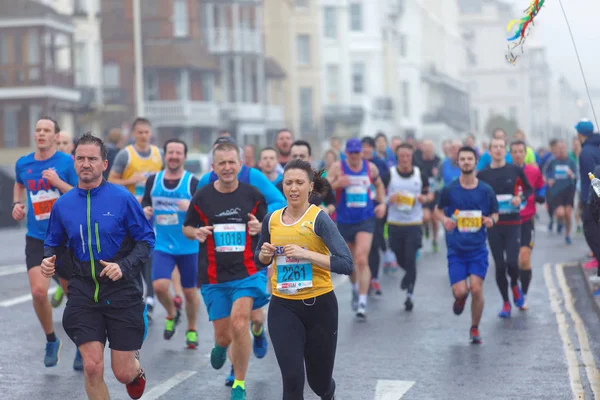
x: 586, y: 274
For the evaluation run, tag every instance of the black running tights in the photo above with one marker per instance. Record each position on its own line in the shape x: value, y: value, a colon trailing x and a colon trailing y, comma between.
x: 304, y: 332
x: 505, y: 243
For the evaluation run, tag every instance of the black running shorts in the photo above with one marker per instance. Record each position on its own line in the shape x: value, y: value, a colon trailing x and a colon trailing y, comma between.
x: 123, y: 324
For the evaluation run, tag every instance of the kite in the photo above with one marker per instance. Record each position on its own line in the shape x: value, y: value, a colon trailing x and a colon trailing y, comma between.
x: 522, y: 31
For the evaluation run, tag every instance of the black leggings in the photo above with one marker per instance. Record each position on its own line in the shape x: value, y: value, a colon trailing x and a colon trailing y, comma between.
x: 405, y: 241
x: 305, y: 332
x: 505, y: 239
x: 378, y: 244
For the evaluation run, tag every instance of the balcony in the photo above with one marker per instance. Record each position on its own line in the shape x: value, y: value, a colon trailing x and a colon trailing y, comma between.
x: 244, y: 111
x: 89, y: 96
x: 456, y: 119
x: 177, y: 113
x: 349, y: 115
x: 114, y: 95
x: 228, y: 40
x: 383, y: 108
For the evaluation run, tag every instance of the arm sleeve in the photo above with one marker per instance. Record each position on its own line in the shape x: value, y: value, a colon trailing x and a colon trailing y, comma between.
x: 147, y: 200
x: 273, y: 197
x: 141, y: 231
x: 120, y: 162
x: 265, y: 237
x: 261, y: 209
x: 425, y: 183
x: 340, y: 257
x: 192, y: 217
x: 56, y: 236
x: 194, y: 184
x: 527, y: 189
x: 493, y: 201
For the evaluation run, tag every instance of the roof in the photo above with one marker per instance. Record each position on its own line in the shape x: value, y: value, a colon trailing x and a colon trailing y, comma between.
x: 179, y: 54
x: 273, y: 69
x: 11, y: 9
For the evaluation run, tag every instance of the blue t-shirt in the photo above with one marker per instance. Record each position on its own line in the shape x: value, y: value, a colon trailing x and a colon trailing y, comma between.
x: 40, y: 193
x: 454, y: 197
x: 449, y: 171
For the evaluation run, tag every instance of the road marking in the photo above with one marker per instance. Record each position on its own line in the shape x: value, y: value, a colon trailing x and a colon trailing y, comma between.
x: 563, y: 330
x: 391, y: 390
x: 12, y: 269
x: 584, y: 344
x: 167, y: 385
x: 22, y: 299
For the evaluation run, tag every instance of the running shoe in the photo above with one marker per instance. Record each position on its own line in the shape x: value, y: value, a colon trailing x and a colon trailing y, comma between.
x: 559, y: 228
x: 435, y: 247
x: 376, y: 287
x: 591, y: 264
x: 361, y: 312
x: 525, y: 306
x: 568, y: 240
x: 550, y: 226
x: 149, y: 309
x: 229, y: 380
x: 78, y: 362
x: 354, y: 299
x: 260, y: 344
x: 505, y: 312
x: 426, y: 231
x: 459, y: 305
x: 135, y: 389
x: 191, y: 339
x: 52, y: 357
x: 218, y: 356
x: 408, y: 304
x: 579, y: 229
x: 57, y: 298
x: 475, y: 337
x: 170, y: 326
x: 178, y: 301
x: 518, y: 298
x: 238, y: 393
x: 597, y: 292
x: 595, y: 279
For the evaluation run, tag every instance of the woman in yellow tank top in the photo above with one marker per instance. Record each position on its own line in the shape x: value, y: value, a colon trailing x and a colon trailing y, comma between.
x: 304, y: 246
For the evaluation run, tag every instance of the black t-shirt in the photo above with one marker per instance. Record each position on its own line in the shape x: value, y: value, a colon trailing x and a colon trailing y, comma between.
x: 227, y: 254
x: 429, y: 165
x: 169, y: 184
x: 506, y: 182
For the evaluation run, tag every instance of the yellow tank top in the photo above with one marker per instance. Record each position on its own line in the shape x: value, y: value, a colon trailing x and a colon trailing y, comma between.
x: 146, y: 165
x: 298, y: 279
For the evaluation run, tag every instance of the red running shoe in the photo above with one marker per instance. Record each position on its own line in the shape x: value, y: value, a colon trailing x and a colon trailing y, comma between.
x: 135, y: 389
x: 475, y: 337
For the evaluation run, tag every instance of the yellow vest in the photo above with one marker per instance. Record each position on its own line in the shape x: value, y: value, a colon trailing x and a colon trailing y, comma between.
x: 146, y: 165
x: 294, y: 272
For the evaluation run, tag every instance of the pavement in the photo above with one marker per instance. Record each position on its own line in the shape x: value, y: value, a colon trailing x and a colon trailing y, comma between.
x: 547, y: 352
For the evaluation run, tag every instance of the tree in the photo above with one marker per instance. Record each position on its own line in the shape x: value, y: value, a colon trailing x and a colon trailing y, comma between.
x: 500, y: 121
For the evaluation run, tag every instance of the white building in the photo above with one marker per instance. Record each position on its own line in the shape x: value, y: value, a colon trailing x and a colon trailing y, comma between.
x: 434, y: 102
x: 355, y: 95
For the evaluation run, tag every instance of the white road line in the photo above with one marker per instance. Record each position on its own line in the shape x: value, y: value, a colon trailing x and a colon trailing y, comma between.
x: 12, y: 269
x: 22, y: 299
x: 167, y: 385
x: 391, y: 390
x: 584, y: 344
x: 563, y: 330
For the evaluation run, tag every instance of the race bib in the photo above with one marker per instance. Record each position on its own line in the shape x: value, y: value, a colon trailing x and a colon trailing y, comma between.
x: 404, y: 201
x: 42, y: 203
x: 468, y: 221
x: 293, y: 274
x: 356, y: 196
x: 505, y: 204
x: 561, y: 172
x: 167, y: 219
x: 432, y: 184
x: 230, y: 238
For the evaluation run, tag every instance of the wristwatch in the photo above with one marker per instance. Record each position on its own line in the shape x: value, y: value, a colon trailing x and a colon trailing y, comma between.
x: 14, y: 204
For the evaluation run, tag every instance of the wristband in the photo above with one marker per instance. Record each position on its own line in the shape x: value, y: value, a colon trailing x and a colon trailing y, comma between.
x: 14, y: 204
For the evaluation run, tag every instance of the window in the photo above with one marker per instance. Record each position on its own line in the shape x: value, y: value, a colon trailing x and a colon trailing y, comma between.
x: 180, y: 18
x: 402, y: 41
x: 358, y: 78
x: 356, y: 17
x: 81, y: 67
x: 80, y: 7
x: 512, y: 113
x: 332, y: 82
x: 49, y: 50
x: 305, y: 109
x: 208, y: 87
x: 182, y: 85
x: 111, y: 75
x: 3, y: 50
x: 329, y: 22
x: 302, y: 3
x: 471, y: 57
x: 11, y: 126
x: 18, y: 46
x: 303, y: 49
x: 33, y: 48
x: 406, y: 99
x: 151, y: 88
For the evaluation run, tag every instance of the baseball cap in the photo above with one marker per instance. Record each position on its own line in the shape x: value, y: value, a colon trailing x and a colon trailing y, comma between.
x: 585, y: 127
x: 353, y: 146
x: 224, y: 139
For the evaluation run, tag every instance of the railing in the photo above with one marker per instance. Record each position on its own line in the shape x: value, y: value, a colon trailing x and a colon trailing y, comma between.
x: 113, y: 95
x: 34, y: 75
x: 346, y: 114
x: 182, y: 113
x: 226, y: 40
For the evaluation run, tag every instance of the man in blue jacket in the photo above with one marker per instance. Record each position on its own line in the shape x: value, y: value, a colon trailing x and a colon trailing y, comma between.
x: 588, y: 160
x: 108, y: 239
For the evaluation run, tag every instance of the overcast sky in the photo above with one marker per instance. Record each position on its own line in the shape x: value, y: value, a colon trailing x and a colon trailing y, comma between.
x: 551, y: 30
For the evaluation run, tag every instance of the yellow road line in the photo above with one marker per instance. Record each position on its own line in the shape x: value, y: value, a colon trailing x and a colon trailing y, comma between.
x: 586, y: 353
x: 563, y: 330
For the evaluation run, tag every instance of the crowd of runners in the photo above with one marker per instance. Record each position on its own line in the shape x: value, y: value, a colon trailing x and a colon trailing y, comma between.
x: 122, y: 230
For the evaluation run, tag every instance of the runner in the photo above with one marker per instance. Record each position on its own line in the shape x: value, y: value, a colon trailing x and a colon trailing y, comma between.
x: 562, y: 182
x: 131, y: 168
x: 486, y: 157
x: 65, y: 143
x: 268, y: 165
x: 108, y: 239
x: 167, y: 198
x: 352, y: 179
x: 283, y: 144
x: 512, y: 191
x: 450, y: 170
x: 430, y: 166
x: 467, y: 207
x: 41, y: 178
x: 225, y: 216
x: 535, y: 178
x: 407, y: 192
x: 304, y: 246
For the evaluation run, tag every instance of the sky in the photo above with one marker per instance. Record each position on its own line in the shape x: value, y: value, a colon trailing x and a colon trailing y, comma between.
x: 551, y: 31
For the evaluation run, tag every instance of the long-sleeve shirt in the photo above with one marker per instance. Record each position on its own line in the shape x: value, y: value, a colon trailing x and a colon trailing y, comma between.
x: 507, y: 181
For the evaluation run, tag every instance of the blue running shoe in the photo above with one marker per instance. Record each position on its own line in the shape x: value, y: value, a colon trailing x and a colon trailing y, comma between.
x: 559, y: 228
x: 238, y: 394
x: 505, y: 312
x: 597, y: 292
x: 260, y: 345
x: 518, y: 297
x: 52, y: 353
x: 218, y: 356
x: 78, y: 362
x: 229, y: 380
x: 568, y: 240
